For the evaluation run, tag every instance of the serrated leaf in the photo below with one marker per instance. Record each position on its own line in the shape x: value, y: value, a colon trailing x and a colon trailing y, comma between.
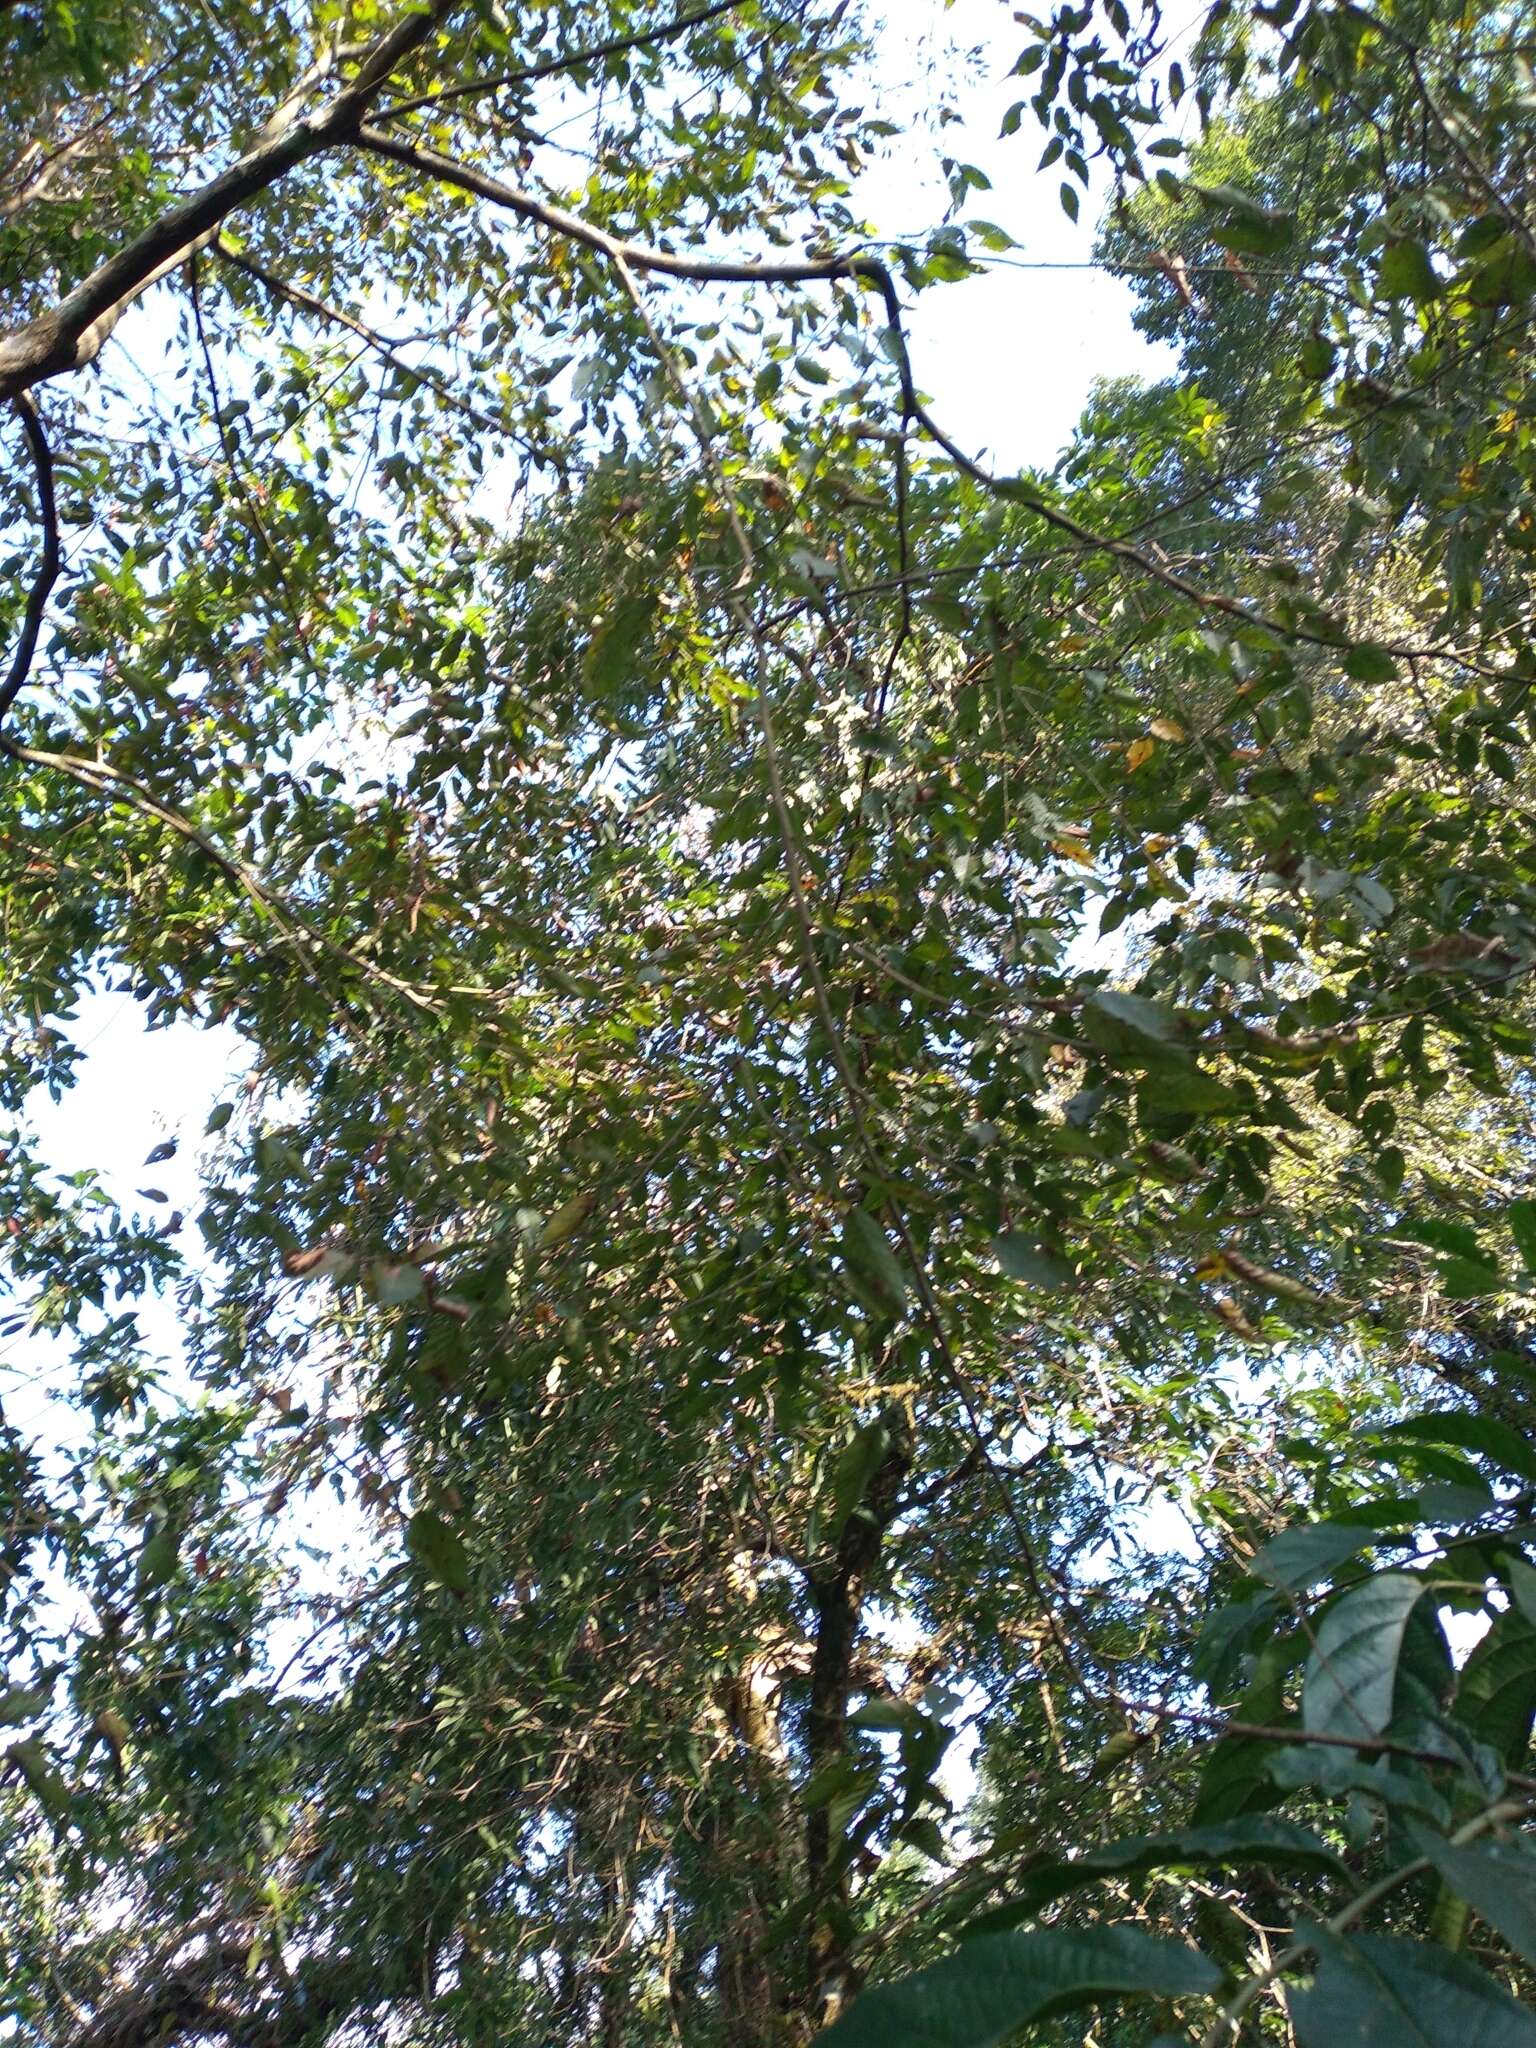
x: 999, y: 1983
x: 1351, y: 1675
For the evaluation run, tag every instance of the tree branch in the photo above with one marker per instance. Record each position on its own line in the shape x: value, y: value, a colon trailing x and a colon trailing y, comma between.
x: 641, y: 256
x: 616, y: 46
x: 73, y: 332
x: 48, y: 568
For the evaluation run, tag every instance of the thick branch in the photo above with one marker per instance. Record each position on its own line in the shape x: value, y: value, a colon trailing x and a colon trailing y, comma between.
x: 72, y: 333
x: 48, y: 568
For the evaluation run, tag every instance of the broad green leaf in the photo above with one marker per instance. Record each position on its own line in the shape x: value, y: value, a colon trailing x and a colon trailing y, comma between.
x: 565, y: 1222
x: 1021, y: 1259
x: 1467, y: 1279
x: 22, y: 1703
x: 1133, y: 1031
x: 1484, y: 1435
x: 982, y: 1995
x: 1496, y: 1693
x: 1407, y: 273
x: 1352, y: 1673
x: 861, y: 1458
x: 1378, y: 1991
x: 1369, y: 664
x: 29, y: 1759
x: 611, y: 652
x: 1497, y: 1879
x: 1521, y: 1218
x: 1259, y: 1839
x: 437, y: 1546
x: 1300, y: 1557
x: 872, y: 1265
x: 1522, y: 1584
x: 158, y: 1558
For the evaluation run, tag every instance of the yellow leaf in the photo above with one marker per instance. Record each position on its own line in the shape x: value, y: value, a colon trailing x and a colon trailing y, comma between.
x: 1139, y: 751
x: 1070, y: 850
x: 1211, y: 1267
x: 1167, y: 729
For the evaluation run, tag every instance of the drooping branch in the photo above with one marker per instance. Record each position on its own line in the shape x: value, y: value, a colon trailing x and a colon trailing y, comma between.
x: 48, y: 567
x: 71, y: 334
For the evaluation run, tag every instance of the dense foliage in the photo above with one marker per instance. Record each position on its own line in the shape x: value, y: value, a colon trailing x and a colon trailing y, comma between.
x: 883, y: 1111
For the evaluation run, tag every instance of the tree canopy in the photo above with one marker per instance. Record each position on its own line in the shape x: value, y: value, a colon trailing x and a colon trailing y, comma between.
x: 858, y: 1355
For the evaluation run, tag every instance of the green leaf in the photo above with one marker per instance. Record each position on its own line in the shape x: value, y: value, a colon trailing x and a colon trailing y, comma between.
x: 1249, y: 227
x: 1481, y: 1434
x: 1369, y: 664
x: 1133, y: 1031
x: 218, y: 1117
x: 30, y: 1760
x: 1300, y: 1557
x: 857, y: 1465
x: 1407, y: 273
x: 157, y: 1560
x: 1522, y: 1584
x: 565, y: 1222
x: 872, y: 1265
x: 1378, y: 1991
x: 1256, y: 1839
x: 1316, y: 358
x: 438, y: 1548
x: 1497, y: 1880
x: 1521, y: 1218
x: 999, y: 1983
x: 1022, y: 1259
x: 1352, y: 1673
x: 610, y: 656
x: 1069, y: 200
x: 1465, y: 1281
x: 1496, y: 1693
x: 22, y: 1703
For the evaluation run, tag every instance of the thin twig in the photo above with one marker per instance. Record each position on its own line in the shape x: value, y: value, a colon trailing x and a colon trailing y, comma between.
x: 550, y: 67
x: 48, y: 567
